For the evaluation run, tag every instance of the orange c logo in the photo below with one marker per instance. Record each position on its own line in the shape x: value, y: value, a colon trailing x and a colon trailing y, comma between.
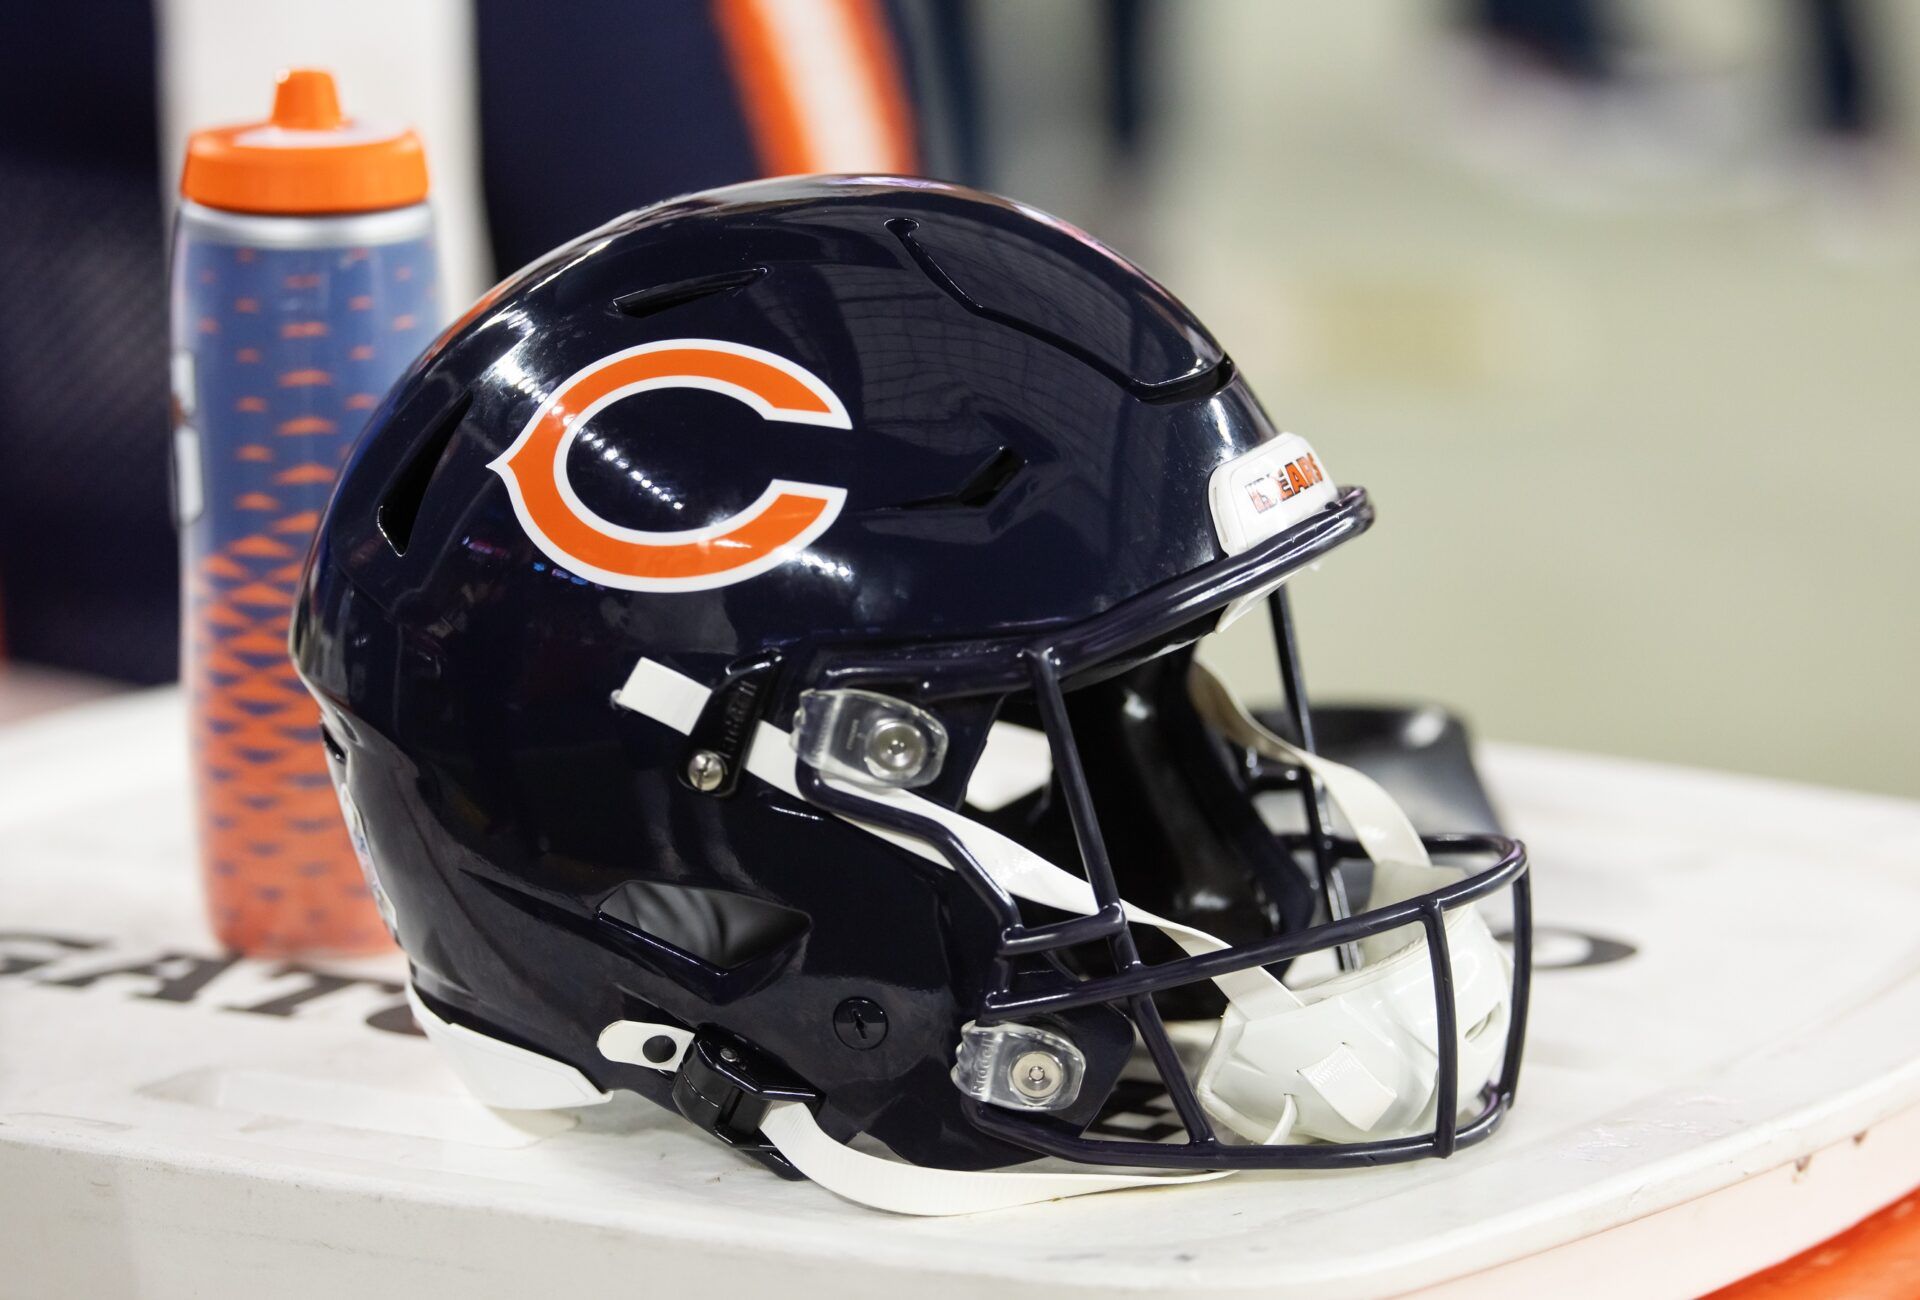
x: 784, y: 520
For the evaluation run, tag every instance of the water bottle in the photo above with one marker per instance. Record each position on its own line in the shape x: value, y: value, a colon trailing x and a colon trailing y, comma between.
x: 303, y: 284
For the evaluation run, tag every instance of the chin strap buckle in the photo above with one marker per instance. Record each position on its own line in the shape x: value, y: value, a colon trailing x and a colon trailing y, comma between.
x: 727, y: 1089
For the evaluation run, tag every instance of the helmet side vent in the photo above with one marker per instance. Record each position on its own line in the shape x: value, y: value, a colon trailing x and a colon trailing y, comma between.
x: 714, y: 928
x: 988, y: 481
x: 399, y: 509
x: 983, y: 483
x: 659, y: 298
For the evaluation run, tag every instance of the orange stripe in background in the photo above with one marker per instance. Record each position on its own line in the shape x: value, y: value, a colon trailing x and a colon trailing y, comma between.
x: 766, y: 75
x: 760, y: 75
x: 880, y: 58
x: 1877, y: 1258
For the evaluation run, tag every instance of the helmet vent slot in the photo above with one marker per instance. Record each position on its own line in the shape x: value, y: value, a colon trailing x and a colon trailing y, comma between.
x: 400, y: 508
x: 990, y: 479
x: 659, y: 298
x: 986, y: 481
x: 718, y: 928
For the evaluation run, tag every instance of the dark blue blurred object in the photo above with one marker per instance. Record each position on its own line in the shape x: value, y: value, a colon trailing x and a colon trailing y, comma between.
x: 593, y: 107
x: 1575, y: 38
x: 87, y: 551
x: 1844, y: 89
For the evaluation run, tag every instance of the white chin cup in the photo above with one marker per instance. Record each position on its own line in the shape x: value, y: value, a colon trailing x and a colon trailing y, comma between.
x: 1359, y: 1059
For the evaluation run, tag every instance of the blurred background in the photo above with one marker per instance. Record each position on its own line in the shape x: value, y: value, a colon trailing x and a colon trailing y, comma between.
x: 1611, y: 305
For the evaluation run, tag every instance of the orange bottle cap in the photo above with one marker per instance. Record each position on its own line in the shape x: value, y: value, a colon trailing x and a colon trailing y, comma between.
x: 306, y: 158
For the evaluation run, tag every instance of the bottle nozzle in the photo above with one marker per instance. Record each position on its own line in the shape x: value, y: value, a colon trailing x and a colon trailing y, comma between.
x: 305, y: 100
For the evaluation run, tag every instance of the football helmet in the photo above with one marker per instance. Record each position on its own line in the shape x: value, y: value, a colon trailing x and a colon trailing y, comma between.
x: 756, y: 649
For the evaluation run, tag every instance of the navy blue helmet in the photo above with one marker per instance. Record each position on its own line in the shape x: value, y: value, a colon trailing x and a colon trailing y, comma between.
x: 762, y: 653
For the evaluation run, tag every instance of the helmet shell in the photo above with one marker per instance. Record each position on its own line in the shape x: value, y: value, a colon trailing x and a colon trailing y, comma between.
x: 1031, y: 424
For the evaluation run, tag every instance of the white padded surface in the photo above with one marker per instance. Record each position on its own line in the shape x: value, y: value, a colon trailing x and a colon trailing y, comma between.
x: 183, y: 1147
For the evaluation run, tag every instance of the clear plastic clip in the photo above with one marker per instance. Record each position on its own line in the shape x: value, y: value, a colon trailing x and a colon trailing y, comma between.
x: 1018, y: 1067
x: 868, y: 738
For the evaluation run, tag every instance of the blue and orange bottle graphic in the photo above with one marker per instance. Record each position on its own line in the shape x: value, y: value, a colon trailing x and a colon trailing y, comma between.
x: 303, y: 284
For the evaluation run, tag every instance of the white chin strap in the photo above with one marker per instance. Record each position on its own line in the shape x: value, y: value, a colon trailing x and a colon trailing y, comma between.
x: 1352, y: 1058
x: 917, y: 1189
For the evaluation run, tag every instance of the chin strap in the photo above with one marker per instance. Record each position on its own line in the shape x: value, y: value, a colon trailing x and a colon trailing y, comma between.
x: 1378, y: 821
x: 1255, y: 995
x: 874, y: 1180
x: 511, y: 1077
x: 902, y: 1188
x: 1402, y: 867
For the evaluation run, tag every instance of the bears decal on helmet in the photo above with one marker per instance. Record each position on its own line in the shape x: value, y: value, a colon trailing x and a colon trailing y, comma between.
x: 779, y: 523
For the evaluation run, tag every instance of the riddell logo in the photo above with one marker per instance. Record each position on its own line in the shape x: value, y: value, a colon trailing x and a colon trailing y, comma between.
x: 1283, y: 482
x: 783, y: 521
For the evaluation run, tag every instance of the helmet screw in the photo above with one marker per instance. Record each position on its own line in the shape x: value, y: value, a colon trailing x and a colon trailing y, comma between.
x: 706, y: 770
x: 861, y: 1023
x: 896, y: 750
x: 1036, y: 1075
